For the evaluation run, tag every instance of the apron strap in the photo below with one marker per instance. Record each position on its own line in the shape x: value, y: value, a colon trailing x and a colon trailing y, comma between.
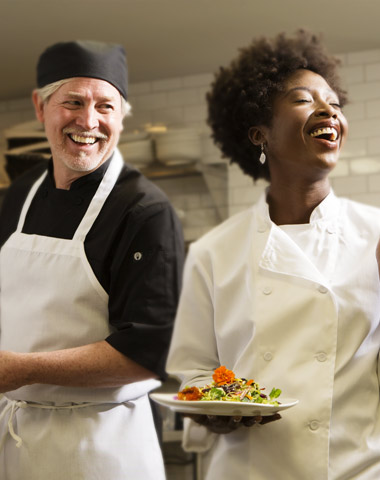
x: 13, y: 405
x: 28, y: 201
x: 98, y: 200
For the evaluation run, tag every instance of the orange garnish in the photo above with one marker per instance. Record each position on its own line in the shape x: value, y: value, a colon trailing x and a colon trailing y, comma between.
x: 190, y: 393
x: 222, y: 376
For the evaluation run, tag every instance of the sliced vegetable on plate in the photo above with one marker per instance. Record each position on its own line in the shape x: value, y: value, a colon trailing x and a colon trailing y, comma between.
x: 228, y: 388
x: 226, y: 395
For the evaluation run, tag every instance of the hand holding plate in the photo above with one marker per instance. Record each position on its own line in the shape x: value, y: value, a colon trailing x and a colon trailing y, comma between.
x: 225, y: 424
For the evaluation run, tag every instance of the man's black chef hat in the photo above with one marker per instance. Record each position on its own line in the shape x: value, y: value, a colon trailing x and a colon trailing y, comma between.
x: 84, y: 59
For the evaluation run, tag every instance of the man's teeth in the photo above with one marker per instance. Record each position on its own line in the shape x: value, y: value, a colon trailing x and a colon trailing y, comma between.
x: 325, y: 131
x: 79, y: 139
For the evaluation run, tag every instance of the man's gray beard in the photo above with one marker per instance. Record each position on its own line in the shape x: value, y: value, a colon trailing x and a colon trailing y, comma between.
x: 79, y: 162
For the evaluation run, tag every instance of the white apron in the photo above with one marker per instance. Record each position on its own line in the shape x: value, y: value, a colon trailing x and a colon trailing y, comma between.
x: 51, y: 300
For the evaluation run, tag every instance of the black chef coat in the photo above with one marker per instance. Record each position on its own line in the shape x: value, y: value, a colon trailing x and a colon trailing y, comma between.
x: 135, y: 248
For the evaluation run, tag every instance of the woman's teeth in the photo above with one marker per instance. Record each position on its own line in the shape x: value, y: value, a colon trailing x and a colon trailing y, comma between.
x: 329, y: 131
x: 79, y: 139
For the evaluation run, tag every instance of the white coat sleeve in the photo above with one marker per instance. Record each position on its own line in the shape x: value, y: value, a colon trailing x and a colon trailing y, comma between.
x: 193, y: 354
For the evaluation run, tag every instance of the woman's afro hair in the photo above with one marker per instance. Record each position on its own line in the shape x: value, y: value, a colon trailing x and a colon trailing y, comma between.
x: 242, y: 94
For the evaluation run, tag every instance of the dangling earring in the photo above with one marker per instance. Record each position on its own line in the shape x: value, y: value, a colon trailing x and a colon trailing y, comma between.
x: 262, y: 157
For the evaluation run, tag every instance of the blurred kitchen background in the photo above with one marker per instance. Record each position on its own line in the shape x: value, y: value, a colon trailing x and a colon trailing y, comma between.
x: 173, y: 48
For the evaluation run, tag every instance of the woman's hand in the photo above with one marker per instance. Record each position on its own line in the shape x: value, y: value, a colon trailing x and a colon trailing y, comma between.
x: 225, y: 424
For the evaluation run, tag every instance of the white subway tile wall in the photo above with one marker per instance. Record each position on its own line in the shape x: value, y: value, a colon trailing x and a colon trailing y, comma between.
x: 361, y: 179
x: 374, y: 145
x: 221, y: 190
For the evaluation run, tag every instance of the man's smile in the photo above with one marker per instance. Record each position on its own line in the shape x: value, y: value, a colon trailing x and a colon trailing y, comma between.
x: 81, y: 139
x: 84, y: 138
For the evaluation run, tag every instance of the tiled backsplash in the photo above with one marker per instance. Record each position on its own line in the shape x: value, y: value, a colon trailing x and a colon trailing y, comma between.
x: 193, y: 202
x: 202, y: 201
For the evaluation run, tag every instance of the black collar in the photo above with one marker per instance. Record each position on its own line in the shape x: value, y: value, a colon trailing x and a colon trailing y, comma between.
x: 94, y: 177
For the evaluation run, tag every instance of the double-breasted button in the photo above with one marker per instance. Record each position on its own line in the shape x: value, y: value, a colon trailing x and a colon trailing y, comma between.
x: 322, y: 289
x: 321, y: 356
x: 268, y: 356
x: 262, y: 228
x: 137, y: 256
x: 314, y: 425
x: 267, y: 290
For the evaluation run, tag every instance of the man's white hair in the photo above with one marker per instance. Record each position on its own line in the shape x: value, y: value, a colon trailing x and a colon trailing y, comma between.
x: 47, y: 91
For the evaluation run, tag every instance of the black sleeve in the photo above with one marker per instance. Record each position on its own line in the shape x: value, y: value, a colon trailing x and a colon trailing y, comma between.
x: 146, y: 273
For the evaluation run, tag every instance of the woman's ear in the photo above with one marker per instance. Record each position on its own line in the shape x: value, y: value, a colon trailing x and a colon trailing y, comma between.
x: 256, y: 135
x: 38, y: 106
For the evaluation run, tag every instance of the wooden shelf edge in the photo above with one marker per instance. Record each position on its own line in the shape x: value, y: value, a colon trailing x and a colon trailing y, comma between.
x: 161, y: 171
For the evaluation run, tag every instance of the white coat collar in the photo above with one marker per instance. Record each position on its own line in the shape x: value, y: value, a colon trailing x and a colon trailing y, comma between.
x: 326, y: 211
x: 280, y: 254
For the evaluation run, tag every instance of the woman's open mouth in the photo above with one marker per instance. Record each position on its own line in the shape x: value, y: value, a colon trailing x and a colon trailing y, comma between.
x: 325, y: 133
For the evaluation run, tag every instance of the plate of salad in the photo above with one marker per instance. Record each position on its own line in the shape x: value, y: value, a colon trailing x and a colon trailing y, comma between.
x: 226, y: 395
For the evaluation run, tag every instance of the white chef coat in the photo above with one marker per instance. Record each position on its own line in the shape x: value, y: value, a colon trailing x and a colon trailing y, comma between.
x: 50, y: 294
x: 254, y: 301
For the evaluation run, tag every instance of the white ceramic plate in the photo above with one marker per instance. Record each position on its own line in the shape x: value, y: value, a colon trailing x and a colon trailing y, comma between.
x: 221, y: 408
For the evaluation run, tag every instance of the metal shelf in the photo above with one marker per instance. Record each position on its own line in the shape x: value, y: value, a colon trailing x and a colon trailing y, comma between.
x: 158, y: 171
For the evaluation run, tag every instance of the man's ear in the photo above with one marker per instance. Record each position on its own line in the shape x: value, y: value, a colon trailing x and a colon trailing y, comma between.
x: 38, y: 106
x: 257, y: 135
